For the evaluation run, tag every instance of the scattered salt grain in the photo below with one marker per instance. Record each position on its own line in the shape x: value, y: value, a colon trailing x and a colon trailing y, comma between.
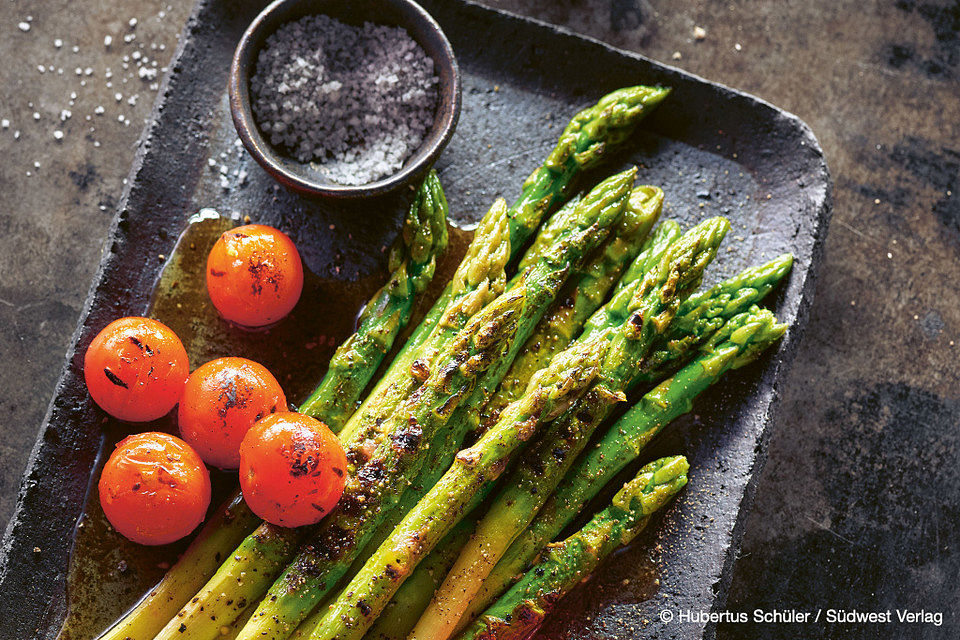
x: 58, y: 135
x: 107, y: 41
x: 358, y: 100
x: 24, y: 26
x: 699, y: 33
x: 58, y: 43
x: 5, y: 123
x: 132, y: 23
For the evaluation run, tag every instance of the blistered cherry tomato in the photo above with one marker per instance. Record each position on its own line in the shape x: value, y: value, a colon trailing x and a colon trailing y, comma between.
x: 135, y: 369
x: 154, y: 488
x: 254, y: 275
x: 221, y: 401
x: 292, y: 469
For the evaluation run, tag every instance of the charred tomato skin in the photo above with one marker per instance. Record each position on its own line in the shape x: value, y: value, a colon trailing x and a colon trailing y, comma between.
x: 135, y: 369
x: 254, y: 275
x: 292, y: 469
x: 221, y: 401
x: 154, y: 489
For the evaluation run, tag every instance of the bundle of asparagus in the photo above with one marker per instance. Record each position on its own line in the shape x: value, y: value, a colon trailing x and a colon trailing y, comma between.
x: 531, y: 358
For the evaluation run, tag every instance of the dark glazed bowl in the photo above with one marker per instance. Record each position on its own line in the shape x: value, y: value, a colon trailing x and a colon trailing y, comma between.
x: 306, y: 178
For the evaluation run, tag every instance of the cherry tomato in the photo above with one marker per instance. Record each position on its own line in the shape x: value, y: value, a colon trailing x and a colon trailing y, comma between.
x: 292, y: 469
x: 221, y: 401
x: 254, y: 275
x: 154, y: 488
x: 135, y: 369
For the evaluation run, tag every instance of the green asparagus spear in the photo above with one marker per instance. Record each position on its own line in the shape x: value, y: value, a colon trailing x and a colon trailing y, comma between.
x: 412, y: 598
x: 697, y: 320
x: 413, y: 261
x: 616, y: 310
x: 366, y: 595
x: 311, y: 576
x: 586, y: 224
x: 740, y: 341
x: 479, y: 279
x: 378, y: 483
x: 550, y: 392
x: 666, y: 234
x: 652, y: 309
x: 584, y: 143
x: 565, y: 564
x: 219, y: 536
x: 580, y: 298
x: 706, y: 311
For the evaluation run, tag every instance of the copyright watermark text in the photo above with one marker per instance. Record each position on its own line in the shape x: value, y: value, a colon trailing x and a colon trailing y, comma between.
x: 797, y: 616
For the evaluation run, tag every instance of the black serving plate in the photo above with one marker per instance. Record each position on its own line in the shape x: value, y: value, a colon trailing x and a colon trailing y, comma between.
x: 713, y: 150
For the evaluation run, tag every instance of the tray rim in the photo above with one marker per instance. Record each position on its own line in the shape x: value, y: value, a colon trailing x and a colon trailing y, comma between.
x: 821, y: 202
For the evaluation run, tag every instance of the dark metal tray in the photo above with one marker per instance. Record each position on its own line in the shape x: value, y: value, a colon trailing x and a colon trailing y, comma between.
x: 713, y: 150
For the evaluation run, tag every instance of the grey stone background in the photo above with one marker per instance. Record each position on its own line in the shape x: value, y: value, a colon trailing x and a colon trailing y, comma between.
x: 859, y: 504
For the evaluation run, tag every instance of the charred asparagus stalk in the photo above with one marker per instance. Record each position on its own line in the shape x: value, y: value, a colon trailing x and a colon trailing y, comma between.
x: 584, y: 143
x: 312, y: 574
x: 550, y: 392
x: 740, y: 341
x: 415, y: 593
x: 479, y: 279
x: 219, y: 536
x: 580, y: 299
x: 590, y: 282
x: 652, y: 309
x: 521, y: 610
x: 366, y: 595
x: 413, y: 261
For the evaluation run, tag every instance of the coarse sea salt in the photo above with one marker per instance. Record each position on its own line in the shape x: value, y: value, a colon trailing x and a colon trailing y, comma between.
x: 356, y: 100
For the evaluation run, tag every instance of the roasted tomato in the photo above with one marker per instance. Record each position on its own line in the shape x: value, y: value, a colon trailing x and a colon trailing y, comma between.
x: 292, y: 469
x: 135, y: 369
x: 254, y: 275
x: 221, y: 401
x: 154, y: 488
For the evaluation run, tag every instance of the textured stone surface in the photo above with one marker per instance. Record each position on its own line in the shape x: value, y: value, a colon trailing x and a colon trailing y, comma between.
x: 858, y: 504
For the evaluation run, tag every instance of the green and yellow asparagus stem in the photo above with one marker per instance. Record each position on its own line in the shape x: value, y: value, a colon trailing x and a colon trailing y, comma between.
x: 413, y: 261
x: 740, y: 341
x: 579, y: 300
x: 312, y: 575
x: 584, y: 143
x: 550, y: 393
x: 651, y: 311
x: 586, y: 224
x: 616, y: 310
x: 379, y: 482
x: 589, y: 137
x: 479, y: 279
x: 410, y: 598
x: 218, y: 537
x: 565, y: 564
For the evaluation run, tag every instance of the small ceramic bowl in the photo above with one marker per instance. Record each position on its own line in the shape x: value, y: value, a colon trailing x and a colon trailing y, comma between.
x: 306, y: 178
